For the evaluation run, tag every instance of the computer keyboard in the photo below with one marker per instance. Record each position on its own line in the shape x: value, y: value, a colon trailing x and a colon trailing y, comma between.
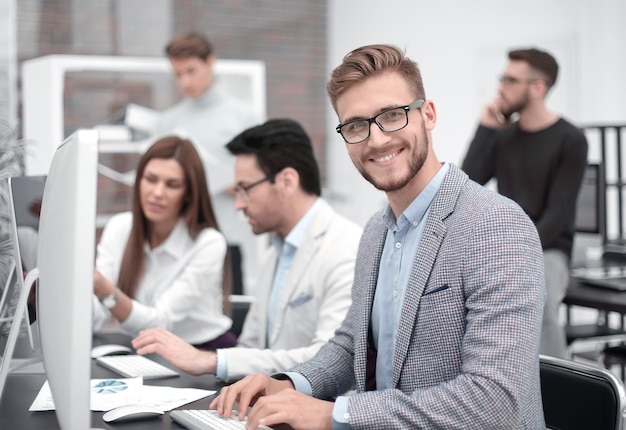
x: 131, y: 366
x: 208, y: 420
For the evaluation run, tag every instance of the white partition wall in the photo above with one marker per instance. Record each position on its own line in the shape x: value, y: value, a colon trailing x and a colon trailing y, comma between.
x: 43, y: 83
x: 461, y: 48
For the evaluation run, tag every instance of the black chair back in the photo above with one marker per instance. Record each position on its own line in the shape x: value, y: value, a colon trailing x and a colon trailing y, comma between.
x: 580, y: 396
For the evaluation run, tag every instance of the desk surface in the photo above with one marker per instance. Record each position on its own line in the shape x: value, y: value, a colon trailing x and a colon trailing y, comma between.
x: 21, y: 389
x: 580, y: 294
x: 604, y: 299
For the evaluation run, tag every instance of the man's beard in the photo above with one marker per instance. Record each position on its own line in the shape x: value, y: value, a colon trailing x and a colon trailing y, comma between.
x: 516, y: 108
x: 420, y: 152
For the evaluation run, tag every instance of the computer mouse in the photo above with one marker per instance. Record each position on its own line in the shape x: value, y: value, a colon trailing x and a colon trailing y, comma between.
x: 109, y: 349
x: 131, y: 412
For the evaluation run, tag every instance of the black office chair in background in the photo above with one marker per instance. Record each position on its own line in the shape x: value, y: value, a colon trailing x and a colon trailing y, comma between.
x: 580, y: 396
x: 238, y: 303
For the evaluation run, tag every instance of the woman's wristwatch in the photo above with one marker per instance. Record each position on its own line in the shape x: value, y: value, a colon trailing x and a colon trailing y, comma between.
x: 110, y: 301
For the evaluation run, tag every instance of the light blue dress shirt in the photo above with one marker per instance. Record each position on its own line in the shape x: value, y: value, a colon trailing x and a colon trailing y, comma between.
x: 286, y: 250
x: 401, y: 244
x: 403, y: 239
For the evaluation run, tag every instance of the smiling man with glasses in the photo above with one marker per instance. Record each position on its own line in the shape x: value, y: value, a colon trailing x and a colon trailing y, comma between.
x: 443, y: 330
x: 538, y: 160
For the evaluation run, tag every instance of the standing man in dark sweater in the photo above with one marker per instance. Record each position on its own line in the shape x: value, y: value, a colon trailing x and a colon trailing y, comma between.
x: 538, y: 160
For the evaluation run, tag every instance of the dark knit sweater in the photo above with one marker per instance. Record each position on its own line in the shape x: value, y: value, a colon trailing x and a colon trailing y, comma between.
x: 542, y: 171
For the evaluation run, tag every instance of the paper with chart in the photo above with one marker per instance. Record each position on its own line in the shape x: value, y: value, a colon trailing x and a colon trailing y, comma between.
x: 107, y: 394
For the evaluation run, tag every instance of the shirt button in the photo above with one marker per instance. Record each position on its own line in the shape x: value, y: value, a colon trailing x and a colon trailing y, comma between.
x: 346, y: 416
x: 415, y: 223
x: 395, y: 293
x: 398, y: 245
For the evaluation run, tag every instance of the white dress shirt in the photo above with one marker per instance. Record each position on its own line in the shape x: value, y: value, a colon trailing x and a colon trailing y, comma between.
x: 181, y: 289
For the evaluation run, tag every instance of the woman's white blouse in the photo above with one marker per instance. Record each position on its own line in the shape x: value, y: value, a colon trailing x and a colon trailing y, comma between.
x: 181, y: 289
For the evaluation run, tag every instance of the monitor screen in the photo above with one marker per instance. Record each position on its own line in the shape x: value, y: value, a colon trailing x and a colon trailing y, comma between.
x: 590, y: 203
x: 25, y: 194
x: 65, y: 260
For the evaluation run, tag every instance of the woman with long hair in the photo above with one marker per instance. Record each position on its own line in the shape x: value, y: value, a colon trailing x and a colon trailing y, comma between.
x: 164, y: 264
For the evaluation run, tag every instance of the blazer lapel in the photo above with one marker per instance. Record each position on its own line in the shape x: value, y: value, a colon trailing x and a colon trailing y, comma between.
x: 264, y: 286
x: 304, y: 254
x: 432, y: 238
x: 377, y: 241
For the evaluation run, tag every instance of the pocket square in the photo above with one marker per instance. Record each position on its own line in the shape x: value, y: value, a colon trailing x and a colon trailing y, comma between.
x: 436, y: 290
x: 300, y: 300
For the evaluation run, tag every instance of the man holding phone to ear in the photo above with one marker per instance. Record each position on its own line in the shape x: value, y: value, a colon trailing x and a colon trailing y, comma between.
x: 538, y: 159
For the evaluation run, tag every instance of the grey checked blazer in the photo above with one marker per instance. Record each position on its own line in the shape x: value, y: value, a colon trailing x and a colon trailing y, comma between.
x: 468, y: 338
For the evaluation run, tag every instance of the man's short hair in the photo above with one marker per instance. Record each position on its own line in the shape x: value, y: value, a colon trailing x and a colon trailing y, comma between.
x: 538, y: 60
x: 278, y: 144
x: 189, y: 45
x: 373, y: 60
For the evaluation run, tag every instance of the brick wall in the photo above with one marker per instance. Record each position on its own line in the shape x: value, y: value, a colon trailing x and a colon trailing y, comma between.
x: 289, y: 36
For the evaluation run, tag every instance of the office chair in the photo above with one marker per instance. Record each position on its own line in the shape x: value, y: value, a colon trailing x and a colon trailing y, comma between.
x: 580, y: 396
x: 240, y: 305
x: 233, y: 277
x: 236, y: 261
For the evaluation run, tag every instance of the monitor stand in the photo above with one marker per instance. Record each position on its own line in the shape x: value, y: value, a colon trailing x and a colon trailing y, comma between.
x: 18, y: 316
x: 6, y: 293
x: 21, y: 312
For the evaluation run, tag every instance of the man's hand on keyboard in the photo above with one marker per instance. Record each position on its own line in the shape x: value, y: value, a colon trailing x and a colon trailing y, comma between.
x: 275, y: 402
x: 246, y: 392
x: 175, y: 350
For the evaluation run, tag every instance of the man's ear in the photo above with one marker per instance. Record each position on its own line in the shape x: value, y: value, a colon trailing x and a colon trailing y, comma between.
x: 289, y: 179
x: 429, y: 114
x: 210, y: 60
x: 539, y: 88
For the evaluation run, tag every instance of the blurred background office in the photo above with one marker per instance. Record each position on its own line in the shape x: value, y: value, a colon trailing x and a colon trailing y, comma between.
x: 460, y: 46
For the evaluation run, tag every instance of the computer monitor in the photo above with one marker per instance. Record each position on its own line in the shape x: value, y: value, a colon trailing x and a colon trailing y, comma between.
x: 25, y: 194
x: 590, y: 206
x: 65, y: 261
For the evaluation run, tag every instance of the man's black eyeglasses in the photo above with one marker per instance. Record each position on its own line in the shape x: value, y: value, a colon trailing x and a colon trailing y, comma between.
x: 243, y: 190
x: 394, y: 119
x: 511, y: 80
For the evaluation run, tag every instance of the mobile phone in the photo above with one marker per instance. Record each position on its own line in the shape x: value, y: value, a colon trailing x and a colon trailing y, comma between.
x: 502, y: 118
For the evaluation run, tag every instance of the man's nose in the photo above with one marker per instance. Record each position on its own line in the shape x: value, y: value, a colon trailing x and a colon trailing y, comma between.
x: 377, y: 137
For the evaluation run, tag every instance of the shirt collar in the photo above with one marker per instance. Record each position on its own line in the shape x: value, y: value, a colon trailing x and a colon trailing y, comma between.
x: 418, y: 207
x: 295, y: 236
x: 176, y: 243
